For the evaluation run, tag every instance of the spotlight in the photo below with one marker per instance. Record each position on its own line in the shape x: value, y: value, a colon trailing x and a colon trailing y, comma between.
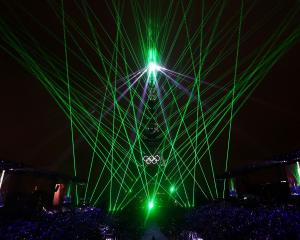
x: 150, y: 205
x: 1, y: 178
x: 153, y: 67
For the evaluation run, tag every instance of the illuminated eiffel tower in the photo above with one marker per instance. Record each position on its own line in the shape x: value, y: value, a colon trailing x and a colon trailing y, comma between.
x: 151, y: 134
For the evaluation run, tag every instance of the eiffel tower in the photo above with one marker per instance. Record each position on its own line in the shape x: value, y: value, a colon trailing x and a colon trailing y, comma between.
x: 151, y: 135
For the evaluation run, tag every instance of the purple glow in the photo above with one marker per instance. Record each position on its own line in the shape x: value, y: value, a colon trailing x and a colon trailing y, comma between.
x: 178, y: 84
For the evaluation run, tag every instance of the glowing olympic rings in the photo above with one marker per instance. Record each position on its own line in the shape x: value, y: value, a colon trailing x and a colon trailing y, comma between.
x: 151, y: 159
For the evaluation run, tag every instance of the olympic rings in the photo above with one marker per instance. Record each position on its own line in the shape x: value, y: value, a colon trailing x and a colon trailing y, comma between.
x: 151, y: 159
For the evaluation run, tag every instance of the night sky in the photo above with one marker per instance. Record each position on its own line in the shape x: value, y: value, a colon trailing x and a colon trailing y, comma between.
x: 36, y: 132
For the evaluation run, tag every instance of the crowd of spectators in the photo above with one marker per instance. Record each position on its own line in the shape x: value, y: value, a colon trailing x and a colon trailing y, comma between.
x: 78, y: 223
x: 215, y: 220
x: 227, y: 220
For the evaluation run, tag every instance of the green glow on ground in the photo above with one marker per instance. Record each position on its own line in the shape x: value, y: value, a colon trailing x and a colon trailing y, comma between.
x: 151, y: 205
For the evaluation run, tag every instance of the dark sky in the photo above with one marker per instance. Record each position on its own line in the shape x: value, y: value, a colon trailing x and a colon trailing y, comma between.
x: 35, y: 131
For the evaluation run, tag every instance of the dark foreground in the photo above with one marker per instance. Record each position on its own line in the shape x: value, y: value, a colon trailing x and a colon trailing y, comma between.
x: 216, y: 220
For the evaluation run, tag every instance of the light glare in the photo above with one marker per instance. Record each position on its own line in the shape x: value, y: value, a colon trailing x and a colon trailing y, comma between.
x: 152, y: 67
x: 172, y: 189
x: 150, y: 205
